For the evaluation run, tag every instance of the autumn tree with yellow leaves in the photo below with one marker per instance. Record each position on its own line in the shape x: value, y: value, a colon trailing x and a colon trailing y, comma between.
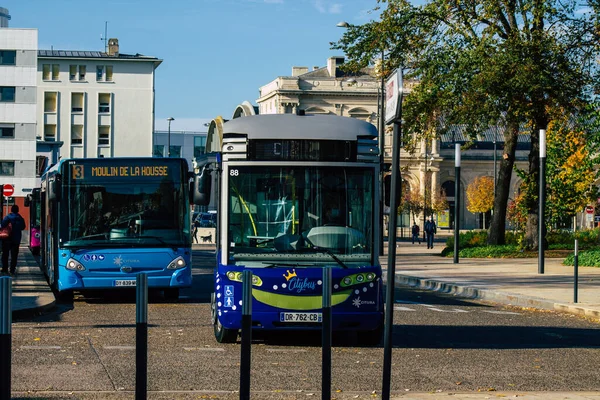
x: 480, y: 195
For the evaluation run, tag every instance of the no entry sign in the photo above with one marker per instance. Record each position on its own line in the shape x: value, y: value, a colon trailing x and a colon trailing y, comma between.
x: 9, y: 190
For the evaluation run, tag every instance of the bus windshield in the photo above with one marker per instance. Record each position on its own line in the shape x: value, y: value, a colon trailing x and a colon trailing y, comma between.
x: 291, y: 212
x: 152, y: 212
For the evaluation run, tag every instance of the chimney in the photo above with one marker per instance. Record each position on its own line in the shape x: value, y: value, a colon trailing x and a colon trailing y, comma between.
x: 316, y: 67
x: 332, y: 64
x: 296, y: 71
x: 113, y: 47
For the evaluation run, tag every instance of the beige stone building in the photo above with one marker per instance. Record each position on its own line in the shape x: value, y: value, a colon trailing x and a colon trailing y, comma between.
x: 329, y: 90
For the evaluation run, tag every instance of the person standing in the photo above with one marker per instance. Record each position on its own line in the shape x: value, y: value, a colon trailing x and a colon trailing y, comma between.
x: 11, y: 245
x: 430, y: 231
x: 415, y: 233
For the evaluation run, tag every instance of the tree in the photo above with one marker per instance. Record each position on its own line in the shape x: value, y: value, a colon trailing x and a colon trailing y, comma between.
x: 480, y: 195
x: 572, y: 157
x: 485, y: 63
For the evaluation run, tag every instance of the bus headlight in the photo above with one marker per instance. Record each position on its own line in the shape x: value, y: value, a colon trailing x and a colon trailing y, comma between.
x: 74, y: 265
x: 237, y: 277
x: 177, y: 263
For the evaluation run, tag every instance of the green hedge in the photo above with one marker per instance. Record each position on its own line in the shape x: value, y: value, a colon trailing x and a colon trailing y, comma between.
x: 590, y: 258
x: 508, y: 251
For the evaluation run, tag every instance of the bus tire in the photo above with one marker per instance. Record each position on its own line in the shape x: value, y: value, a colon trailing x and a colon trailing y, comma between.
x: 172, y: 294
x: 370, y: 338
x: 224, y: 335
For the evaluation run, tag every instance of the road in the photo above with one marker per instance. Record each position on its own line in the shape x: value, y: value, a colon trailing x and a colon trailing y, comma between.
x: 86, y: 350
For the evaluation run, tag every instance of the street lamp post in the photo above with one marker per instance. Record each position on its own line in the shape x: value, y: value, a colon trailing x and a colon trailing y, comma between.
x: 456, y: 201
x: 169, y: 137
x: 542, y: 203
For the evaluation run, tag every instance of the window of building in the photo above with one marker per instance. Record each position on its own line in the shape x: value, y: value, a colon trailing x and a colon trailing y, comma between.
x: 104, y: 103
x: 7, y: 168
x: 199, y: 146
x: 7, y: 131
x: 41, y: 162
x: 158, y: 150
x: 175, y: 151
x: 104, y: 73
x: 76, y: 134
x: 76, y: 102
x: 50, y: 102
x: 46, y: 72
x: 50, y: 132
x: 7, y: 94
x: 50, y: 72
x: 72, y: 72
x: 55, y: 72
x: 104, y: 135
x: 82, y: 72
x: 99, y: 72
x: 8, y: 57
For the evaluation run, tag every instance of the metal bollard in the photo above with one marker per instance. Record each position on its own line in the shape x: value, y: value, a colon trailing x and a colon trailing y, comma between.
x: 246, y: 335
x: 141, y: 336
x: 575, y: 272
x: 326, y: 336
x: 5, y: 336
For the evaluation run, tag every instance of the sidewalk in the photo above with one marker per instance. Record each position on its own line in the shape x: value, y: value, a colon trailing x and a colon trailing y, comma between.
x: 31, y: 293
x: 506, y: 281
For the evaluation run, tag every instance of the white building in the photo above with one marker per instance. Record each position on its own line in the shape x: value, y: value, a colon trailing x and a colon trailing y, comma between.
x: 184, y: 144
x: 97, y: 104
x: 18, y: 102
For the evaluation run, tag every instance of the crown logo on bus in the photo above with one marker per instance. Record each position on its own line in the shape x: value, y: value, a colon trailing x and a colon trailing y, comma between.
x: 289, y: 275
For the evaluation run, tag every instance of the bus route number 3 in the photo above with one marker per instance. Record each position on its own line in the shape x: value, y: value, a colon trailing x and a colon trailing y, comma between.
x: 234, y: 172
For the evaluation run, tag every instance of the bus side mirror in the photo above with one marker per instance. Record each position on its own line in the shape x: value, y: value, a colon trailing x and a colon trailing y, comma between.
x: 55, y: 188
x: 202, y: 186
x: 27, y: 201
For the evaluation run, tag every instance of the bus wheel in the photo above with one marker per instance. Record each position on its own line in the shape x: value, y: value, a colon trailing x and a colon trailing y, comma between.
x: 172, y: 294
x: 224, y: 335
x: 370, y: 338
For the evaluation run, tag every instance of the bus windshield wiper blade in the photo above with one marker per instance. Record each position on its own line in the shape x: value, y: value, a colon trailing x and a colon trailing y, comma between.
x: 325, y: 250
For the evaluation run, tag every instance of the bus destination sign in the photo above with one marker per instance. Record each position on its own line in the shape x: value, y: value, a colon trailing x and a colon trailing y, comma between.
x: 90, y: 171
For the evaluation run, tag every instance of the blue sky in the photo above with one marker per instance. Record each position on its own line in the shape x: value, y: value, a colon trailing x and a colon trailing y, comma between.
x: 216, y: 53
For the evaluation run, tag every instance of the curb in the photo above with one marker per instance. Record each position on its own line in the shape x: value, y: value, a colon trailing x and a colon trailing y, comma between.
x: 470, y: 292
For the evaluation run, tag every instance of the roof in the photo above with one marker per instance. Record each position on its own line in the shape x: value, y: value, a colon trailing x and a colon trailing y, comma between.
x: 92, y: 54
x: 291, y: 126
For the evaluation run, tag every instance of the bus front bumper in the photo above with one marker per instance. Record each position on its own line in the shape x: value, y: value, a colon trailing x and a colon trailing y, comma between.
x: 73, y: 280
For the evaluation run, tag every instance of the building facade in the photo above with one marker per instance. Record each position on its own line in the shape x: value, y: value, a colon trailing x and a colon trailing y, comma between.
x: 18, y: 103
x: 184, y: 144
x: 97, y: 104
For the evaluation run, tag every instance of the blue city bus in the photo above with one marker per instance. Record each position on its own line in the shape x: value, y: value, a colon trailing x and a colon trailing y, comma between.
x: 297, y: 193
x: 104, y: 220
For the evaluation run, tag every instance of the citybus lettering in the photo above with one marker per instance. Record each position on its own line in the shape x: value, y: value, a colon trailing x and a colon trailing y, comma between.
x: 130, y: 171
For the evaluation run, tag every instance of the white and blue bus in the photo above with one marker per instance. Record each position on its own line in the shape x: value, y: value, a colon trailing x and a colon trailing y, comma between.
x: 103, y: 220
x: 297, y: 193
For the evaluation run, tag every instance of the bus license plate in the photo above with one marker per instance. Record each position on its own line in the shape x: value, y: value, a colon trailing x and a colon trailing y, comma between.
x: 300, y: 317
x: 128, y: 282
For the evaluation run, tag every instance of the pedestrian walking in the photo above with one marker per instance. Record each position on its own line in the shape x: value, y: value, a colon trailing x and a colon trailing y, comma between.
x: 430, y: 231
x: 195, y: 232
x: 10, y: 246
x: 415, y: 233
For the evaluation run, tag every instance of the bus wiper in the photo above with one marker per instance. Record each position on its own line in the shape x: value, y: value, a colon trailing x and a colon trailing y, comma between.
x: 273, y: 265
x: 88, y: 237
x: 325, y: 250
